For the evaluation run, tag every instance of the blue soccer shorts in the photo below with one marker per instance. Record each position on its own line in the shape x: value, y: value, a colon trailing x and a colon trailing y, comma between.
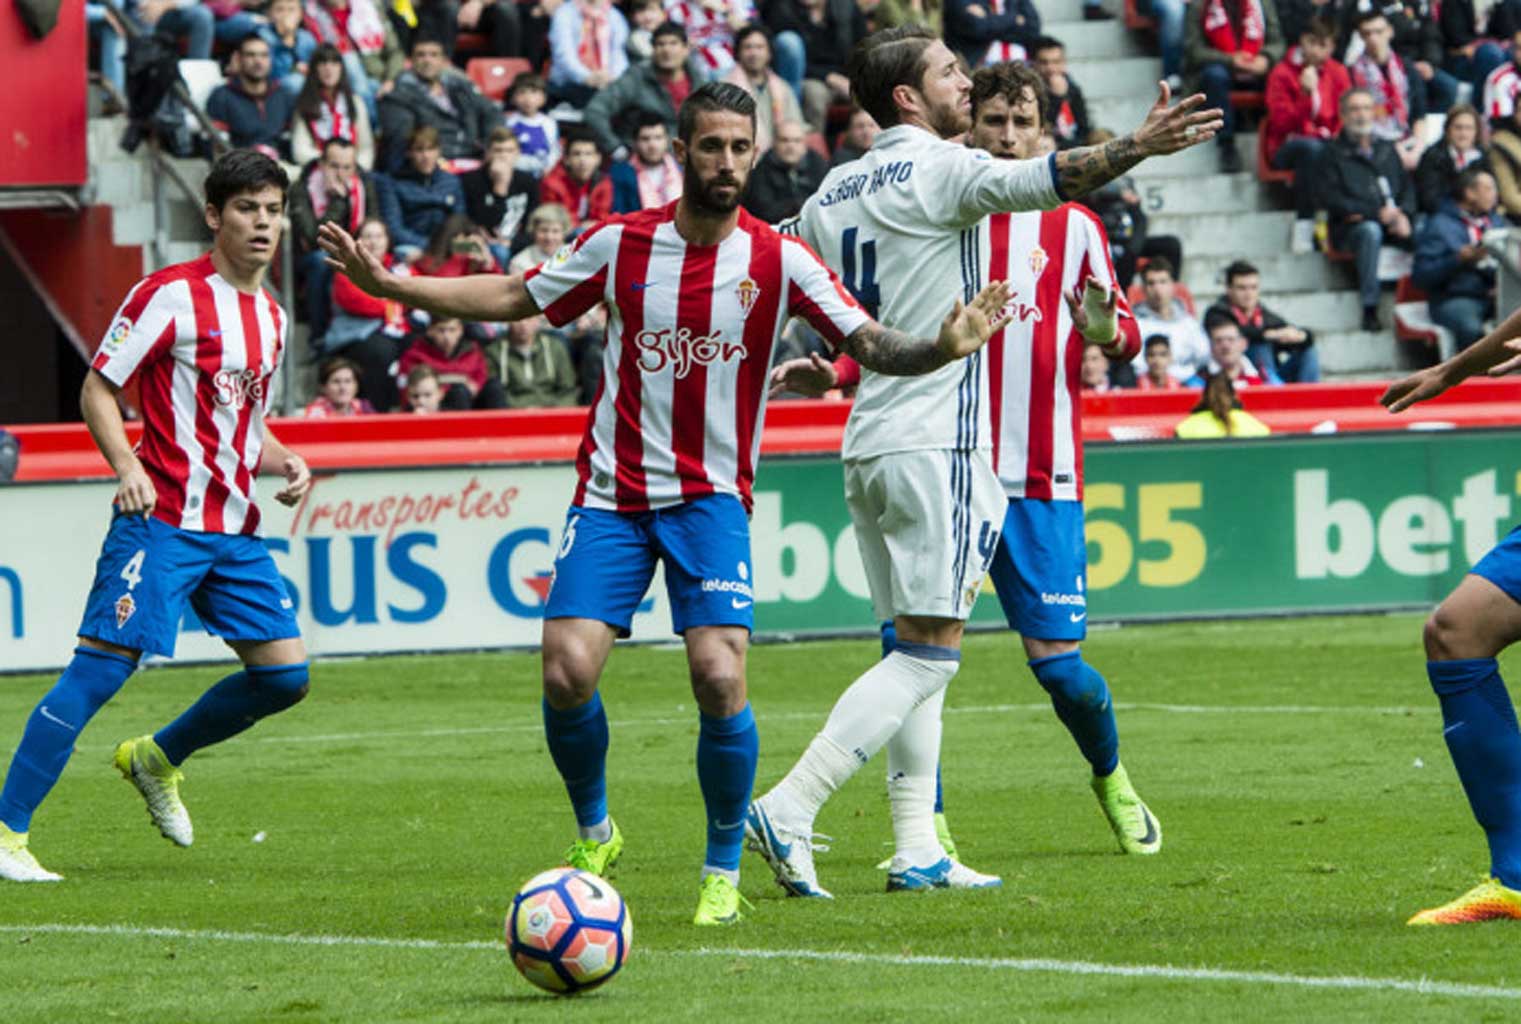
x: 148, y: 569
x: 607, y: 559
x: 1041, y: 569
x: 1502, y: 565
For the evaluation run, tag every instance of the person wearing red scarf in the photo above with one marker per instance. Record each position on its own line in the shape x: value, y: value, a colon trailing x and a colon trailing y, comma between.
x: 1230, y: 44
x: 1451, y: 263
x: 1399, y: 94
x: 1303, y: 93
x: 330, y: 188
x: 1282, y: 352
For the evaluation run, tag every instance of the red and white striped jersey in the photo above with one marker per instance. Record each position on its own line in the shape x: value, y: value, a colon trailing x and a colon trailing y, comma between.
x: 1000, y: 52
x: 710, y: 32
x: 204, y: 353
x: 690, y: 334
x: 1500, y: 91
x: 1034, y: 362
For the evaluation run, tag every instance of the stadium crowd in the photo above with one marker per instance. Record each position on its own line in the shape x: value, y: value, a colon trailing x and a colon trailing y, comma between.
x: 370, y: 104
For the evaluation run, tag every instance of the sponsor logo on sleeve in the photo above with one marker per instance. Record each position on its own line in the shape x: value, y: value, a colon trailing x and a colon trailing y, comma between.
x: 116, y: 337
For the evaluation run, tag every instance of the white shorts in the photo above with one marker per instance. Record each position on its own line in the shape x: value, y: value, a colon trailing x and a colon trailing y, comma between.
x: 927, y: 524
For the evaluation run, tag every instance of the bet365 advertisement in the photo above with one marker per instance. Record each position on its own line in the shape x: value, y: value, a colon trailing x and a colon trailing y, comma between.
x: 438, y: 559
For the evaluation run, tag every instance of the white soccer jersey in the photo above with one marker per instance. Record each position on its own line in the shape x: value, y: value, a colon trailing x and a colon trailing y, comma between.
x: 690, y: 334
x: 903, y: 225
x: 1500, y: 91
x: 1033, y: 364
x: 205, y: 353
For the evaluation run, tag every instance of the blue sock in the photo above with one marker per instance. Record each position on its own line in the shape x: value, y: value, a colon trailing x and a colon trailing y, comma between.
x: 578, y: 743
x: 889, y: 638
x: 231, y: 706
x: 1480, y: 729
x: 939, y: 793
x: 1081, y: 699
x: 727, y: 752
x: 92, y: 678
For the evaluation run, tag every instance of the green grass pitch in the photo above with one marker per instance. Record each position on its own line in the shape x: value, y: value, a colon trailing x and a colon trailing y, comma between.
x: 1297, y: 767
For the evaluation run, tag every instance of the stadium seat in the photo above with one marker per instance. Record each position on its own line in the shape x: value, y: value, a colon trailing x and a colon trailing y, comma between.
x: 201, y: 76
x: 1245, y: 100
x: 1136, y: 21
x: 1265, y: 171
x: 819, y: 145
x: 1137, y: 293
x: 493, y: 75
x: 467, y: 43
x: 1412, y: 320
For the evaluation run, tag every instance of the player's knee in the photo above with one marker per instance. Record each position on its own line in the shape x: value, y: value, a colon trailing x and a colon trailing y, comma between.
x: 283, y: 686
x: 1067, y: 678
x: 1448, y: 637
x: 570, y: 678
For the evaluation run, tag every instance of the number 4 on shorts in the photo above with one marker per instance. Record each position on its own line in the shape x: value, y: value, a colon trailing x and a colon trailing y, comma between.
x: 133, y: 572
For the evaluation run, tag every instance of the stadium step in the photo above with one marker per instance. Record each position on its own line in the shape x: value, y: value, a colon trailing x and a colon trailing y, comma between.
x: 1053, y: 13
x: 1117, y: 76
x: 1247, y: 235
x: 1204, y: 273
x: 1215, y: 193
x: 1199, y: 162
x: 1318, y: 310
x: 1364, y: 353
x: 1091, y: 40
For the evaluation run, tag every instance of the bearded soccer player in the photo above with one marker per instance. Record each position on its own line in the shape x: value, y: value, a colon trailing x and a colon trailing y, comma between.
x: 204, y: 340
x: 927, y: 506
x: 698, y: 292
x: 1463, y: 637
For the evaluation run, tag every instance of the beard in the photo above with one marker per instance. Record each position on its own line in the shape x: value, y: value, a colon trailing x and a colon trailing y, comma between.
x: 704, y: 197
x: 947, y: 121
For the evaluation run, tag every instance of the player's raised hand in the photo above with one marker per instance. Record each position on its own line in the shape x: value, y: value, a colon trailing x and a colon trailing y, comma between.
x: 1168, y: 129
x: 811, y: 377
x: 298, y: 480
x: 1418, y: 387
x: 135, y: 493
x: 359, y: 264
x: 967, y: 328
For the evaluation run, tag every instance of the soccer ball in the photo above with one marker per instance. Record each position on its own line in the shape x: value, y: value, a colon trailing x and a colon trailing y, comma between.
x: 568, y: 931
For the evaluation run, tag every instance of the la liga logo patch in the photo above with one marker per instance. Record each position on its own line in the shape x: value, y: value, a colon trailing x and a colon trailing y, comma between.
x: 121, y: 327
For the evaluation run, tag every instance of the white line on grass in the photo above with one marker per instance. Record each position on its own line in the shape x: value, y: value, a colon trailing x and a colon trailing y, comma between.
x: 1163, y: 972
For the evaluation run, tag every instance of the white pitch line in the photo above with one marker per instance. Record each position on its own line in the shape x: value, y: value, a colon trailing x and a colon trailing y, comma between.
x: 1162, y: 972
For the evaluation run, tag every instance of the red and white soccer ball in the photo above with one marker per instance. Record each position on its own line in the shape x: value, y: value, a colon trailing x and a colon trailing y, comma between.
x: 568, y: 931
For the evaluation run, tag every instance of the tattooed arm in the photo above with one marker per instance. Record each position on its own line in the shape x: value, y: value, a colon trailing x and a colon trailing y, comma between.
x: 964, y: 331
x: 1165, y: 130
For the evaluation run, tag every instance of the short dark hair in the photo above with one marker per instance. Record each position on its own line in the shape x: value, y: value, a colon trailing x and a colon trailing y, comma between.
x: 647, y: 119
x: 243, y: 170
x: 1466, y: 178
x: 1367, y: 16
x: 335, y: 364
x: 427, y: 37
x: 424, y: 136
x: 420, y: 373
x: 668, y: 28
x: 1158, y: 265
x: 339, y: 141
x: 252, y: 37
x: 575, y: 133
x: 526, y: 80
x: 753, y: 29
x: 1319, y: 27
x: 1157, y: 340
x: 1047, y: 43
x: 1240, y: 268
x: 1219, y: 318
x: 1009, y: 80
x: 711, y: 97
x: 883, y: 61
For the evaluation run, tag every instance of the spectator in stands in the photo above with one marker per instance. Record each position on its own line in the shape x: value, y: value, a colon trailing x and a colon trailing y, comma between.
x: 1368, y: 197
x: 459, y: 247
x: 657, y: 88
x: 1066, y: 110
x: 327, y: 108
x: 415, y: 201
x: 1417, y: 39
x: 1093, y: 371
x: 255, y: 112
x: 1169, y: 15
x: 499, y: 197
x: 423, y: 389
x: 291, y: 46
x: 1118, y: 205
x: 534, y: 366
x: 498, y: 20
x: 650, y: 176
x: 361, y: 32
x: 1227, y: 353
x: 1231, y: 44
x: 775, y: 102
x: 1451, y: 264
x: 1473, y: 49
x: 330, y: 189
x: 1158, y: 375
x: 1502, y: 85
x: 1505, y: 163
x: 712, y: 26
x: 1162, y: 312
x: 538, y: 133
x: 461, y: 368
x: 1303, y: 93
x: 1294, y: 16
x: 577, y: 182
x: 338, y: 395
x: 432, y: 94
x: 1399, y: 95
x: 586, y: 42
x: 860, y: 132
x: 1437, y: 173
x: 1280, y: 351
x: 187, y: 20
x: 813, y: 43
x: 784, y: 177
x: 991, y: 33
x: 644, y: 17
x: 1219, y: 414
x: 548, y: 226
x: 366, y: 330
x: 236, y: 19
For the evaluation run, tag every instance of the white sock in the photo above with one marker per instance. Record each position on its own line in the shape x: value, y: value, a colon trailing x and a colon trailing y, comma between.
x: 864, y: 718
x: 732, y: 876
x: 912, y: 755
x: 602, y: 831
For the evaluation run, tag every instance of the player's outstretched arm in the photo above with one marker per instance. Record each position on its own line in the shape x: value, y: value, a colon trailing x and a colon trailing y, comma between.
x: 480, y: 297
x: 135, y: 493
x: 280, y: 460
x: 1497, y: 353
x: 965, y: 330
x: 1167, y: 129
